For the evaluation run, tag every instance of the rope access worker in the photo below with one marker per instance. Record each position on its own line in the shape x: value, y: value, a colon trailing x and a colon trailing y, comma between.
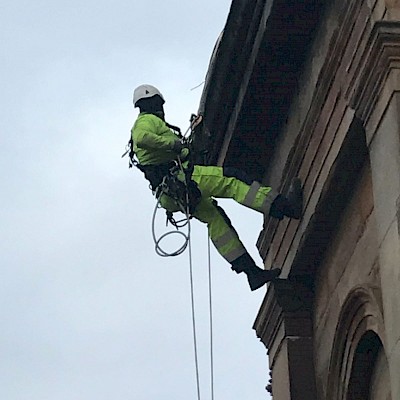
x: 157, y: 147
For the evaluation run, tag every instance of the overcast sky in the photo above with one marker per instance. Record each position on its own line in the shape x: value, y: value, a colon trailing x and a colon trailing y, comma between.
x: 88, y: 310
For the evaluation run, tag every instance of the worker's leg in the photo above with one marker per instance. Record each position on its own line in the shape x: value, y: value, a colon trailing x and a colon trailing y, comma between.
x: 220, y: 229
x: 232, y: 183
x: 228, y: 244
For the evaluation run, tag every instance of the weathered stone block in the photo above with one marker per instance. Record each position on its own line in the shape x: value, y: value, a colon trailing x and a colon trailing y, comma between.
x: 394, y: 365
x: 390, y: 281
x: 385, y: 161
x: 393, y: 9
x: 280, y: 375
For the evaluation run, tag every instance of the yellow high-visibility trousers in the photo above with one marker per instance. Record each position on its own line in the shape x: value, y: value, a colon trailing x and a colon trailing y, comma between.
x: 218, y: 182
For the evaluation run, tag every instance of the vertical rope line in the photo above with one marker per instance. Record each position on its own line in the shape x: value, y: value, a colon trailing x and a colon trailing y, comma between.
x: 196, y: 359
x: 194, y: 320
x: 211, y: 321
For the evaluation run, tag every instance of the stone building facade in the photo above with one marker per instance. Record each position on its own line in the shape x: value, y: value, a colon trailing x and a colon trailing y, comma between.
x: 311, y: 88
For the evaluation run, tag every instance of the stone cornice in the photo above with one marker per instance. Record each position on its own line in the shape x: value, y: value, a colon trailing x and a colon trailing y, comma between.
x: 353, y: 72
x: 269, y: 318
x: 381, y: 55
x: 226, y: 68
x: 323, y: 89
x: 253, y: 43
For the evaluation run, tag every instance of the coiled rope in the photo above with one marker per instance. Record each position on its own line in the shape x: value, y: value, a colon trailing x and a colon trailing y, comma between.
x: 180, y: 224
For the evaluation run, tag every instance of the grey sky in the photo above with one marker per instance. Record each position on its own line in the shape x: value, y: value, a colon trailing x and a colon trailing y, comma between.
x: 88, y: 310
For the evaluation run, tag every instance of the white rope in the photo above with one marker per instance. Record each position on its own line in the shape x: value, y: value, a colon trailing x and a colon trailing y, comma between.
x: 211, y: 320
x: 196, y: 360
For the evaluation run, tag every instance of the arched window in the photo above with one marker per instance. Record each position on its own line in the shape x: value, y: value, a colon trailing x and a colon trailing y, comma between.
x: 359, y: 368
x: 369, y: 378
x: 380, y: 380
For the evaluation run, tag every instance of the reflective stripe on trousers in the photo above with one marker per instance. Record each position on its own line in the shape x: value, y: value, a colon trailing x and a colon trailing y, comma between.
x: 256, y: 189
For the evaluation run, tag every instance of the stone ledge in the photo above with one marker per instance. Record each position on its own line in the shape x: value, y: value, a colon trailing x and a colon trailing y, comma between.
x: 285, y: 311
x: 381, y: 55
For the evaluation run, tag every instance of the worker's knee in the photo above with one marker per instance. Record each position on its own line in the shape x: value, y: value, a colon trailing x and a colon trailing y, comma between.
x: 232, y: 172
x: 209, y: 212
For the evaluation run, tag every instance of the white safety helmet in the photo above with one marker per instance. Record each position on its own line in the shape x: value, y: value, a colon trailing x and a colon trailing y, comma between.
x: 144, y: 92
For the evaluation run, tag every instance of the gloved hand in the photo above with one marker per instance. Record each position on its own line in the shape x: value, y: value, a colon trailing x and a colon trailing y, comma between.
x: 184, y: 153
x: 180, y: 149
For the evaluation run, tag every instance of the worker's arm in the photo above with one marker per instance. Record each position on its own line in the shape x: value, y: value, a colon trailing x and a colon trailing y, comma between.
x: 148, y: 134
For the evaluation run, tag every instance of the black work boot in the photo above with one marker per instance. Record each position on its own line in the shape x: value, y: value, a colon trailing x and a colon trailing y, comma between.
x: 257, y: 277
x: 290, y: 205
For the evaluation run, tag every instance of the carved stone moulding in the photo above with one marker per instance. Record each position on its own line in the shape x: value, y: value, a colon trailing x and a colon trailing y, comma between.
x: 380, y: 57
x: 287, y: 304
